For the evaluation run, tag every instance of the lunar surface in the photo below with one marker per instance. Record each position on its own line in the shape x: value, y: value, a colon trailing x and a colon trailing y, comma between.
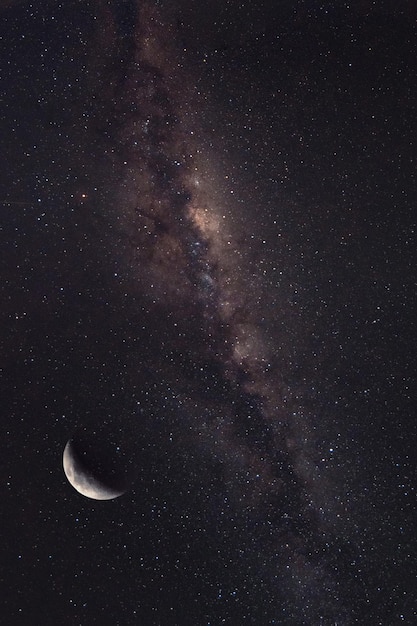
x: 82, y: 481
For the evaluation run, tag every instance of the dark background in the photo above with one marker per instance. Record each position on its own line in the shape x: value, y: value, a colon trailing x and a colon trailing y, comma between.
x: 309, y: 108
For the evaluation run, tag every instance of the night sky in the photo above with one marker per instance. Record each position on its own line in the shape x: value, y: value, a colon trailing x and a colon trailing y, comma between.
x: 208, y: 285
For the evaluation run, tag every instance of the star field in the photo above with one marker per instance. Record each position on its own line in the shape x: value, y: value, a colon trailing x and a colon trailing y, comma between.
x: 208, y: 236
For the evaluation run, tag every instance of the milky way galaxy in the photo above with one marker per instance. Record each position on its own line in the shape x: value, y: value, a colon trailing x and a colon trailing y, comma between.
x: 207, y: 286
x: 184, y: 245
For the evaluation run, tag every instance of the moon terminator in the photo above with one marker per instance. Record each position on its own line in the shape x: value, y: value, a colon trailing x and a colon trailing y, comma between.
x: 82, y: 480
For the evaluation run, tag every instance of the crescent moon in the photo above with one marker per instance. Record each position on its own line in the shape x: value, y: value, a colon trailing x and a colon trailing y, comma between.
x: 84, y: 482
